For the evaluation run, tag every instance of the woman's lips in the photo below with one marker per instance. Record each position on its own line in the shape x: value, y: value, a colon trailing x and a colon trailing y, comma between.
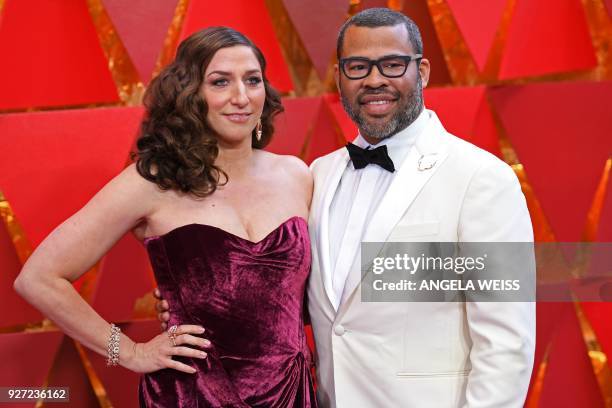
x: 237, y: 117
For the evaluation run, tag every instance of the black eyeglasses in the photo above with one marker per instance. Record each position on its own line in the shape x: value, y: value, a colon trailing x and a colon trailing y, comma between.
x: 391, y: 67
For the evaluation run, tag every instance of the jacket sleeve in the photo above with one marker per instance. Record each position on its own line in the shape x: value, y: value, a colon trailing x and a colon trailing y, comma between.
x: 502, y: 333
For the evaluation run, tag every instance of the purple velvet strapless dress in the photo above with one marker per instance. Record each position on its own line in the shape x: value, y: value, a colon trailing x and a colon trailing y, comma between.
x: 249, y: 297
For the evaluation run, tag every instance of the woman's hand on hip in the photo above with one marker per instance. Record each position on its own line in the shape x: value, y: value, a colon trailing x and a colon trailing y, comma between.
x: 157, y: 353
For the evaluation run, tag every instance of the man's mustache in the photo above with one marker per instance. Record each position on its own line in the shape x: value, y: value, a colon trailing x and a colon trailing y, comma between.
x: 377, y: 92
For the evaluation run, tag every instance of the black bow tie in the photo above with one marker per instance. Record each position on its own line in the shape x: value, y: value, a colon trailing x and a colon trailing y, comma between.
x: 362, y: 157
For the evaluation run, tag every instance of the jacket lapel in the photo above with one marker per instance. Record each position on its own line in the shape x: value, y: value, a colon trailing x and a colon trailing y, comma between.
x: 331, y: 175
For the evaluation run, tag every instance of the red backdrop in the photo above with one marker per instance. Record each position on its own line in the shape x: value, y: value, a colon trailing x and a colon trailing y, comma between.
x: 528, y: 80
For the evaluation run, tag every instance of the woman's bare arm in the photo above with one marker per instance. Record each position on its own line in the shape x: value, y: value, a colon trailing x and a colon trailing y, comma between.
x: 73, y: 248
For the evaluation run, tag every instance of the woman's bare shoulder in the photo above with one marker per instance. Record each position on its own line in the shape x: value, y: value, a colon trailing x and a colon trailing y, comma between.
x: 291, y: 174
x: 131, y: 188
x: 289, y: 166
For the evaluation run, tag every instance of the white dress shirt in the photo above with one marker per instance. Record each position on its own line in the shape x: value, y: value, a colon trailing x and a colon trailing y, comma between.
x: 368, y: 184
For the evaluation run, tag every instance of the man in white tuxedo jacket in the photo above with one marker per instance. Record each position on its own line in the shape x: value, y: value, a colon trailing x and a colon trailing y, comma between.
x: 435, y: 188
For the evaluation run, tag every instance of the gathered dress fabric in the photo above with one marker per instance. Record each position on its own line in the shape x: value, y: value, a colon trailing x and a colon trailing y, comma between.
x: 249, y: 297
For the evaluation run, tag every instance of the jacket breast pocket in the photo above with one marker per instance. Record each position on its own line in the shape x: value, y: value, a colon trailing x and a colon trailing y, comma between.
x: 407, y: 231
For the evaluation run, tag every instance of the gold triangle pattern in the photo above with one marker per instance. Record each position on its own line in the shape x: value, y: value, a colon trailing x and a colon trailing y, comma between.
x: 23, y: 248
x: 599, y: 360
x: 172, y: 37
x: 125, y: 75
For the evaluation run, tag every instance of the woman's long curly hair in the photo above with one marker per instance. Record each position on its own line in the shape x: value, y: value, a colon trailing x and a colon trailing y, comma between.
x: 176, y: 148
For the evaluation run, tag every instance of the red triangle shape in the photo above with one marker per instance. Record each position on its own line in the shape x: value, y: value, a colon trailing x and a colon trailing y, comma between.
x: 52, y: 163
x: 27, y: 357
x: 346, y: 125
x: 568, y: 354
x: 547, y: 318
x: 68, y: 371
x: 535, y: 26
x: 465, y: 112
x: 604, y: 230
x: 325, y: 137
x: 598, y: 314
x: 366, y: 4
x: 608, y: 4
x: 55, y: 56
x: 485, y: 130
x: 561, y: 133
x: 17, y: 310
x: 318, y: 30
x: 293, y: 125
x: 142, y: 26
x: 251, y: 18
x: 128, y: 258
x: 478, y: 25
x: 418, y: 11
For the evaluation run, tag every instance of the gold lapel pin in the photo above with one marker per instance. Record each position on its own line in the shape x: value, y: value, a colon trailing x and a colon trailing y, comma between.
x: 426, y: 162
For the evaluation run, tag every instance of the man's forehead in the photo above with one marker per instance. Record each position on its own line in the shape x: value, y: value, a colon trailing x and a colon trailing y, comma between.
x: 375, y: 42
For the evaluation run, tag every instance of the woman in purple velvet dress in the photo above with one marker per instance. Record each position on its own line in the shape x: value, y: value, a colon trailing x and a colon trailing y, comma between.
x: 224, y: 225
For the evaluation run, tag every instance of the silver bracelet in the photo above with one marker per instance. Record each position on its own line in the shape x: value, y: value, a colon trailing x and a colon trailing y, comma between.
x: 113, y: 346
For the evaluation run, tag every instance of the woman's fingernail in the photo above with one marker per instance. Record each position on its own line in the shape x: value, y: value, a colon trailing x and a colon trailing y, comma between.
x: 203, y: 354
x: 206, y: 343
x: 202, y: 330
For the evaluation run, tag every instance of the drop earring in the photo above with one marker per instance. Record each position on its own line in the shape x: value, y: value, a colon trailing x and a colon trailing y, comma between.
x: 258, y: 130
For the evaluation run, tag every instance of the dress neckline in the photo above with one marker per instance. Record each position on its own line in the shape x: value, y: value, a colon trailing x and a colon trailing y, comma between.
x: 200, y: 225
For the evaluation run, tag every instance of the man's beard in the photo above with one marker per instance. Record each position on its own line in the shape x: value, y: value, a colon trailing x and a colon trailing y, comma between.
x: 408, y: 110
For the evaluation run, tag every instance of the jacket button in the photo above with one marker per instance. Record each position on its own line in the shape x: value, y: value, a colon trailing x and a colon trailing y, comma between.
x: 339, y: 330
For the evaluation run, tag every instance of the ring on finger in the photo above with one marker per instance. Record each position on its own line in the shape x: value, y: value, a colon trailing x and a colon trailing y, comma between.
x: 172, y: 334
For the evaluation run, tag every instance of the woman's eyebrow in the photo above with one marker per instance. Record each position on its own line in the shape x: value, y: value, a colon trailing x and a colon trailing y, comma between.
x: 218, y: 72
x: 251, y: 71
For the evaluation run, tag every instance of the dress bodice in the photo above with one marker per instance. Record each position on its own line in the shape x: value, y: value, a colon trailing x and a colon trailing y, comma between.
x: 249, y: 298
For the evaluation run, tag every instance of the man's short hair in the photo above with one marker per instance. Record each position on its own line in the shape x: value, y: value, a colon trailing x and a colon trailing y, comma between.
x: 382, y: 17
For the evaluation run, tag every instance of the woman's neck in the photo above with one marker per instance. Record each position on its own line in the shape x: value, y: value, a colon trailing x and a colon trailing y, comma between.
x: 235, y: 160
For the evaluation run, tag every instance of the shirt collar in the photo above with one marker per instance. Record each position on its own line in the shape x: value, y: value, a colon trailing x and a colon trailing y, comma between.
x: 399, y: 144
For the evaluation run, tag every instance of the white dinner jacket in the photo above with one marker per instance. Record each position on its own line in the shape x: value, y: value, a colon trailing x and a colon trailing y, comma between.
x: 423, y: 354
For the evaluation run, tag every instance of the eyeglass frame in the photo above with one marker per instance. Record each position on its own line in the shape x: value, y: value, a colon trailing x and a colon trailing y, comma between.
x: 371, y: 63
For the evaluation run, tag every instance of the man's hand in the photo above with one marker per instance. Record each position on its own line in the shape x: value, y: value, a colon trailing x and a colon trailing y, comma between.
x: 162, y: 308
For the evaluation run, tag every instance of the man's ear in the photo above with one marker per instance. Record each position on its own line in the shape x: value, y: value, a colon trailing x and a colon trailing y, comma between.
x: 337, y: 76
x: 424, y: 68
